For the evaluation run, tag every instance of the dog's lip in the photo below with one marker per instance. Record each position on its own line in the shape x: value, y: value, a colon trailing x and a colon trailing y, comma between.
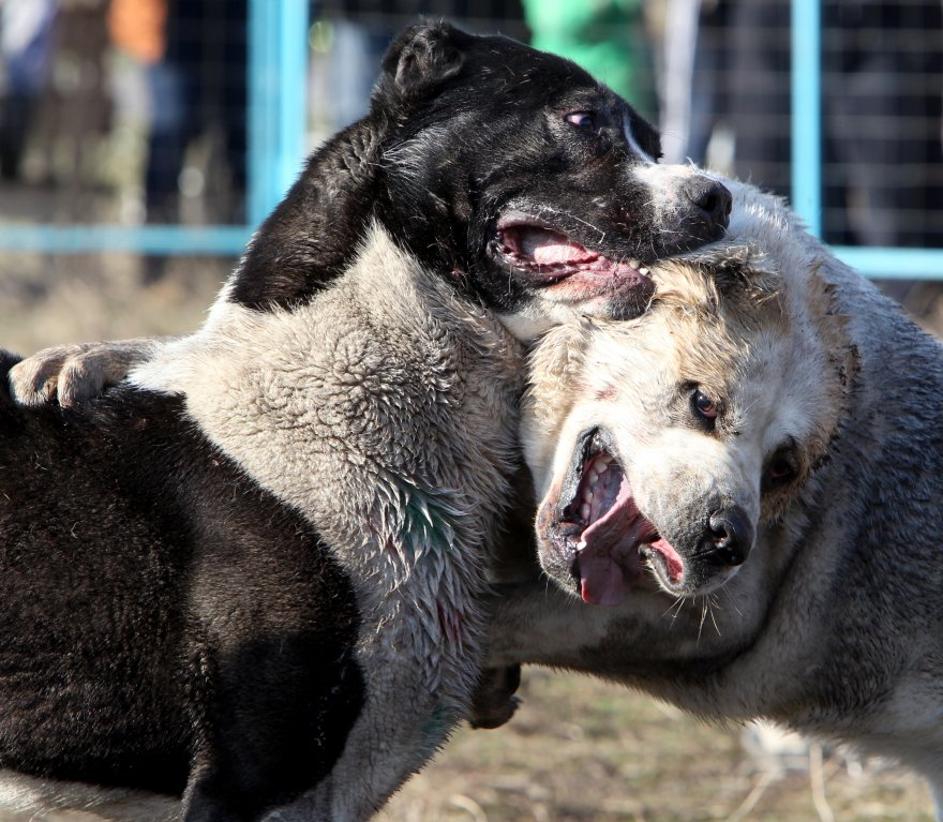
x: 665, y: 562
x: 599, y: 529
x: 575, y: 260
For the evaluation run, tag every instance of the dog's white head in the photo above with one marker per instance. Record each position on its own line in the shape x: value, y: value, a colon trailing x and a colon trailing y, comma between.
x: 661, y: 446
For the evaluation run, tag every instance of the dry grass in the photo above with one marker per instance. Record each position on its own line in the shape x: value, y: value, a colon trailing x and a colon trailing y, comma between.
x: 579, y: 749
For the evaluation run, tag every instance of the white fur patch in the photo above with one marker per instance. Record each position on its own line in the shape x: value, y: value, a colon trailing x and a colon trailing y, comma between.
x: 26, y: 798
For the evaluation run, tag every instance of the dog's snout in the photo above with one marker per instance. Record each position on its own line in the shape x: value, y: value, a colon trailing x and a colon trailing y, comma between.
x: 711, y: 199
x: 729, y: 536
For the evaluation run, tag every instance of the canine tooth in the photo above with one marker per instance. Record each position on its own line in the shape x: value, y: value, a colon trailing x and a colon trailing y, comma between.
x: 643, y: 270
x: 584, y: 511
x: 581, y: 545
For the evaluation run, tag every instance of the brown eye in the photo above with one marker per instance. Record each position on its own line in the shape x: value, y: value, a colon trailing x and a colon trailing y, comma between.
x: 782, y: 468
x: 581, y: 119
x: 704, y: 406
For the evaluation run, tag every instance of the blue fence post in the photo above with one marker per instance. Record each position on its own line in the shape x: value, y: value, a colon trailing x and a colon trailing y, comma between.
x: 277, y: 81
x: 806, y: 35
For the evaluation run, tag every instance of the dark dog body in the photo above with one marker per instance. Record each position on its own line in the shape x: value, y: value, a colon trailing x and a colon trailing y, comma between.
x: 263, y: 573
x: 136, y: 535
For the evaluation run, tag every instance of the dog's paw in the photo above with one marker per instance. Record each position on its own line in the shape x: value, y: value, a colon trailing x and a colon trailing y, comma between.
x: 494, y: 702
x: 74, y: 373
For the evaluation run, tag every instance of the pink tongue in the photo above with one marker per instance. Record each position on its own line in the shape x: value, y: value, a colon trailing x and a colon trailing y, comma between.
x: 601, y: 581
x: 617, y: 532
x: 549, y: 248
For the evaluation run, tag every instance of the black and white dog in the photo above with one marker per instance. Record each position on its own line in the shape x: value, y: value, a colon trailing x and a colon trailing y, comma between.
x: 255, y: 574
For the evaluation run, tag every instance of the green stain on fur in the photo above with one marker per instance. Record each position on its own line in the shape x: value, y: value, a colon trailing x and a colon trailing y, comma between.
x: 436, y: 728
x: 427, y: 522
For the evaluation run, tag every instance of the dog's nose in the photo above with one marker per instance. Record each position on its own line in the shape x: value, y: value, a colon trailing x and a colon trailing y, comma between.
x: 729, y: 536
x: 711, y: 199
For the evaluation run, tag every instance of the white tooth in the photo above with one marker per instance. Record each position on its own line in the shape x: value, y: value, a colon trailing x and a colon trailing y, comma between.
x: 588, y: 495
x: 593, y: 478
x: 581, y: 545
x: 634, y: 263
x: 584, y: 511
x: 643, y: 271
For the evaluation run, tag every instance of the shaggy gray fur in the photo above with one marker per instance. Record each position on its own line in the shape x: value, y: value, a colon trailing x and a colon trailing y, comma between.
x: 833, y: 626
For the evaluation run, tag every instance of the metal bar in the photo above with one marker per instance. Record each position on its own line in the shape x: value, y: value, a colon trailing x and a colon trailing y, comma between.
x: 806, y: 35
x: 893, y: 263
x: 262, y: 108
x: 879, y: 262
x: 293, y: 91
x: 278, y: 73
x: 149, y: 239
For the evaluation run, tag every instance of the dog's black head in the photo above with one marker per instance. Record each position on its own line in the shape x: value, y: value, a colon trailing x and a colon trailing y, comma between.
x: 509, y: 171
x: 516, y: 173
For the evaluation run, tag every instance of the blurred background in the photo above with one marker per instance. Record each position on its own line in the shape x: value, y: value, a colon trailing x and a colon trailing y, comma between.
x: 142, y: 140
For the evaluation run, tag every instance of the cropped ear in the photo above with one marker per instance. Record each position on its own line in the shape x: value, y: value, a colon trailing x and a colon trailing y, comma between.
x: 422, y: 56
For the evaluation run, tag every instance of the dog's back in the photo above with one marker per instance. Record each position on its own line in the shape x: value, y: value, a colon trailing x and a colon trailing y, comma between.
x: 133, y: 553
x: 74, y: 537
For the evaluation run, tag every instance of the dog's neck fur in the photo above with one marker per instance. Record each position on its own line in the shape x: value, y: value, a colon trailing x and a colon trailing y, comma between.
x: 367, y: 410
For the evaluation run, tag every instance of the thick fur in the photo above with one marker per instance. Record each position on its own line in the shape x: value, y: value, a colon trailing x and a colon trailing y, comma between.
x: 267, y: 584
x: 182, y: 553
x: 833, y: 624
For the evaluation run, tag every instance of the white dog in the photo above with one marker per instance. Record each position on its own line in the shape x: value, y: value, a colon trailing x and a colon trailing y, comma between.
x: 752, y: 474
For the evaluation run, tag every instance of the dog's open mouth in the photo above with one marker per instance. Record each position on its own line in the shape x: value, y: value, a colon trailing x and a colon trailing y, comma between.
x: 599, y: 526
x: 549, y: 257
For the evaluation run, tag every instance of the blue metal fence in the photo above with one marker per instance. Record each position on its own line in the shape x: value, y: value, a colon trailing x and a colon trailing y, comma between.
x: 888, y: 263
x: 277, y: 82
x: 277, y: 74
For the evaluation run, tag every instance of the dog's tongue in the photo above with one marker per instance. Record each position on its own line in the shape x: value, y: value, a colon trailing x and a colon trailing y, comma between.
x: 549, y: 248
x: 612, y: 537
x: 601, y: 581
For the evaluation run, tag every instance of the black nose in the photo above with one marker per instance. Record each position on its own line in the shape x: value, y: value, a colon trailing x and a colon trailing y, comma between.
x: 729, y: 536
x: 711, y: 199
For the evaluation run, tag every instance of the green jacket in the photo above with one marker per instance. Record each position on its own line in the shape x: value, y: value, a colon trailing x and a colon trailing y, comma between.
x: 605, y: 37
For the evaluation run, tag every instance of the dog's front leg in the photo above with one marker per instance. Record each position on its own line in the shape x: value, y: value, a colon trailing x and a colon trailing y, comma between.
x: 75, y: 373
x: 538, y: 623
x: 494, y: 702
x: 271, y: 713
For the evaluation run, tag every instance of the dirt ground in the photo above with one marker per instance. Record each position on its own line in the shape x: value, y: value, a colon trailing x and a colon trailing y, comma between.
x: 579, y: 749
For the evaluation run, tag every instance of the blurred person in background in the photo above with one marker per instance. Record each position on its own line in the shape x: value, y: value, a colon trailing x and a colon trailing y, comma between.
x: 355, y: 34
x: 194, y: 53
x: 605, y: 37
x: 26, y: 32
x: 882, y: 111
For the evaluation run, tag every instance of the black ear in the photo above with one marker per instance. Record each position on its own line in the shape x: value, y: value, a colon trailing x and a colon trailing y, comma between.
x: 422, y: 56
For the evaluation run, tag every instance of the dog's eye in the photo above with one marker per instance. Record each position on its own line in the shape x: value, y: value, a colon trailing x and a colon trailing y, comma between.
x: 581, y: 119
x: 704, y: 407
x: 782, y: 468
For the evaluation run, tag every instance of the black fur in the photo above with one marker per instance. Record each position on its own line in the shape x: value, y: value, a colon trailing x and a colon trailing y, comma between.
x: 485, y: 117
x: 161, y: 612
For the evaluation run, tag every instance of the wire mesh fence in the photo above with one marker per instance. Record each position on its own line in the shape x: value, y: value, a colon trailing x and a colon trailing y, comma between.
x: 882, y: 93
x: 131, y: 113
